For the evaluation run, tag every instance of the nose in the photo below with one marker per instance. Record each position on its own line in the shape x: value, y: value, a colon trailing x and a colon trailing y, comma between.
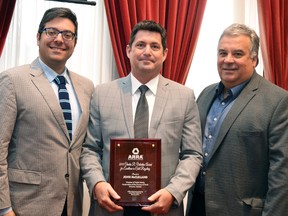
x: 59, y: 37
x: 229, y: 58
x: 147, y: 50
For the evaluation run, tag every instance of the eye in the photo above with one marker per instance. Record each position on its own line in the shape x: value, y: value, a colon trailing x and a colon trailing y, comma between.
x: 52, y: 32
x: 140, y: 45
x: 238, y: 54
x: 155, y: 46
x: 222, y: 53
x: 67, y: 35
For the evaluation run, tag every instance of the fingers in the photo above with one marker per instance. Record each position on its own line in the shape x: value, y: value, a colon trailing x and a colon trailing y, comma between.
x: 154, y: 197
x: 105, y: 195
x: 10, y: 213
x: 163, y: 201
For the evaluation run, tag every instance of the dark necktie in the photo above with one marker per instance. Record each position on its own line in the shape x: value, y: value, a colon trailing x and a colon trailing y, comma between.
x: 142, y: 115
x: 64, y: 102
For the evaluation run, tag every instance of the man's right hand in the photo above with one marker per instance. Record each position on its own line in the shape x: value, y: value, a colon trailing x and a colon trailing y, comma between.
x: 103, y: 192
x: 10, y: 213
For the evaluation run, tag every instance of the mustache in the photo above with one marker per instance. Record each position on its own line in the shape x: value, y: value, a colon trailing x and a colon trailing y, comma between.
x: 229, y: 67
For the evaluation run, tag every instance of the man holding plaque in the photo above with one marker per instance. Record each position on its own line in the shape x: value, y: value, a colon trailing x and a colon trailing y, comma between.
x: 172, y: 117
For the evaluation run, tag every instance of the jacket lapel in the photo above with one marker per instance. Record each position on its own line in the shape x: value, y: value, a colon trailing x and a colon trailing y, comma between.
x: 126, y: 102
x: 241, y: 102
x: 209, y: 98
x: 159, y: 105
x: 79, y: 91
x: 44, y: 87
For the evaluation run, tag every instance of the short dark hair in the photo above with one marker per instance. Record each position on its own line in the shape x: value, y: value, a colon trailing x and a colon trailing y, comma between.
x: 152, y: 26
x: 55, y: 12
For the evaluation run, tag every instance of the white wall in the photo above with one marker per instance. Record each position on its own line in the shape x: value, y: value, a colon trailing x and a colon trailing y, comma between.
x: 218, y: 15
x: 93, y: 56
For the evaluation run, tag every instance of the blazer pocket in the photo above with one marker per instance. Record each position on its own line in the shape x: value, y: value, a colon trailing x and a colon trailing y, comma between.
x: 250, y: 133
x: 24, y: 176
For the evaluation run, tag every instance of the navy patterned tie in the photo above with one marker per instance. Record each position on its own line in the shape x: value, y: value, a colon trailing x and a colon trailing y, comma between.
x: 64, y: 102
x: 142, y: 115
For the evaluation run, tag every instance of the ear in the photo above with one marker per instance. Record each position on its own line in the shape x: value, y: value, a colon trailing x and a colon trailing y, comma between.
x: 255, y: 61
x: 38, y: 38
x: 128, y: 50
x: 165, y: 53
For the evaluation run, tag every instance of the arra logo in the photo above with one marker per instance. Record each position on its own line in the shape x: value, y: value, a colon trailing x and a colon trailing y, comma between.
x: 135, y: 155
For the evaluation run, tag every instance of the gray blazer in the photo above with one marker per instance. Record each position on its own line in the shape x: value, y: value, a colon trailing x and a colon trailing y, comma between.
x: 175, y: 119
x: 39, y: 167
x: 248, y: 170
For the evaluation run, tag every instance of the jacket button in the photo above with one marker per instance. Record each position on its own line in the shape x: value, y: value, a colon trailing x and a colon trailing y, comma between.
x: 66, y: 175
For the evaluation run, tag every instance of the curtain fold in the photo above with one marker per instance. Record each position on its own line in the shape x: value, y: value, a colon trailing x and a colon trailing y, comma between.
x: 273, y: 22
x: 6, y: 13
x: 182, y: 20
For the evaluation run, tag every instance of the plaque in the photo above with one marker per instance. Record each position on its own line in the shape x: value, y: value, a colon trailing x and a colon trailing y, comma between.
x: 135, y: 170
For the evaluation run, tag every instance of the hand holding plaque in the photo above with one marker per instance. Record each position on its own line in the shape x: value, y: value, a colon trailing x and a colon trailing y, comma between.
x: 135, y: 169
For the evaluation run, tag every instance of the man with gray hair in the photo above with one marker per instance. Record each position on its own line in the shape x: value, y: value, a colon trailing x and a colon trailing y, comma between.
x: 245, y: 136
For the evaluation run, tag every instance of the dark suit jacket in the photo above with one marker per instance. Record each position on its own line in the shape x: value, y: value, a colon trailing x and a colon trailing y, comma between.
x: 175, y: 119
x: 39, y: 166
x: 248, y: 170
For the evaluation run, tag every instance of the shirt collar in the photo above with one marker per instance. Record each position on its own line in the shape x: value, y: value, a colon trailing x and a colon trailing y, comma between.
x: 234, y: 92
x: 152, y: 84
x: 51, y: 74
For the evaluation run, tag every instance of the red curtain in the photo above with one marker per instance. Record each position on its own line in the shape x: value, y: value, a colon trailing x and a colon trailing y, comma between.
x: 273, y: 23
x: 181, y: 19
x: 6, y: 12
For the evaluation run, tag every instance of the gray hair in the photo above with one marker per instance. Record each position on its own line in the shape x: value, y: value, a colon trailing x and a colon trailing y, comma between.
x: 237, y: 29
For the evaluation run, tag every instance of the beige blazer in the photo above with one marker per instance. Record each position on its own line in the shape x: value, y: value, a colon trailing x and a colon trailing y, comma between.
x: 175, y: 120
x: 39, y: 165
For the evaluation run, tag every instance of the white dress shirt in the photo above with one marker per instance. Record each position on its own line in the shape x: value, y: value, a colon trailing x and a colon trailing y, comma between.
x: 75, y: 106
x: 150, y: 94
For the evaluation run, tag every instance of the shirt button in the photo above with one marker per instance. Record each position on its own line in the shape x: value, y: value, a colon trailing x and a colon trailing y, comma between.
x: 204, y: 173
x: 206, y: 154
x: 223, y: 103
x: 209, y: 136
x: 215, y: 119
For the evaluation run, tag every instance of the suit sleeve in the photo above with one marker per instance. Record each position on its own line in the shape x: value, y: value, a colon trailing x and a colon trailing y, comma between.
x: 190, y: 157
x: 8, y: 110
x: 91, y: 157
x: 276, y: 199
